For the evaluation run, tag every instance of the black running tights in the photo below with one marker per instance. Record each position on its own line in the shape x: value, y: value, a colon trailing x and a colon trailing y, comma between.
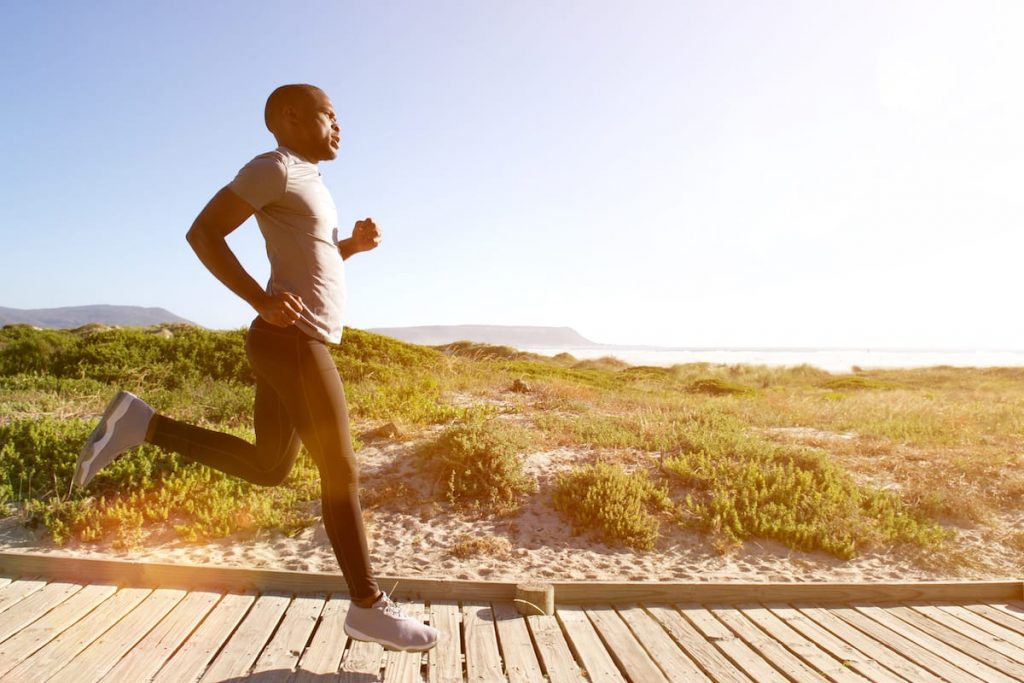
x: 299, y: 396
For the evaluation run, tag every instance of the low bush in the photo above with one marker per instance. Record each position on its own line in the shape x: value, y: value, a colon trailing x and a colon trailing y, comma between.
x: 742, y: 487
x: 38, y: 458
x: 494, y: 547
x: 620, y: 506
x: 854, y: 382
x: 480, y: 461
x: 716, y: 386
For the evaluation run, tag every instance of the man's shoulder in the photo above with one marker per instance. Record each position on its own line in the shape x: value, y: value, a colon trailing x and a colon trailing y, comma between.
x: 273, y: 157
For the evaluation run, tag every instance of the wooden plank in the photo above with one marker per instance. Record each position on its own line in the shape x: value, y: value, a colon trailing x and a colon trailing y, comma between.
x: 103, y: 653
x: 1014, y: 610
x: 768, y: 647
x: 191, y: 659
x: 893, y: 659
x: 1016, y: 607
x: 4, y: 581
x: 444, y: 662
x: 962, y: 638
x: 14, y: 592
x: 629, y: 654
x: 521, y: 663
x: 553, y: 651
x: 945, y: 643
x: 904, y: 641
x: 146, y: 658
x: 845, y: 653
x: 587, y: 646
x: 282, y: 653
x: 664, y: 651
x: 41, y: 664
x: 36, y: 605
x: 35, y: 635
x: 323, y: 656
x: 404, y: 667
x: 246, y: 643
x: 752, y: 663
x: 483, y: 659
x: 193, y: 576
x: 718, y: 667
x: 1007, y: 641
x: 998, y: 616
x: 793, y: 642
x: 362, y: 659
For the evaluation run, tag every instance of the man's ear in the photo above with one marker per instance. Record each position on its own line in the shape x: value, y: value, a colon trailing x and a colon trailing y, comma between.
x: 290, y: 114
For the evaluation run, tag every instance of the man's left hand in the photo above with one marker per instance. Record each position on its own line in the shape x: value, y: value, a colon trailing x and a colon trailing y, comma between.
x: 365, y: 235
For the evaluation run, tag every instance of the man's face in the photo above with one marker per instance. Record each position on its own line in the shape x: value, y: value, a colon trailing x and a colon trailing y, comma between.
x: 319, y: 127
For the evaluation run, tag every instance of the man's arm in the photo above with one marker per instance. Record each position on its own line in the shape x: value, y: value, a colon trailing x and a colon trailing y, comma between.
x: 207, y: 236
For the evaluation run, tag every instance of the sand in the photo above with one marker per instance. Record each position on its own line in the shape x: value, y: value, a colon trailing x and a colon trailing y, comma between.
x: 418, y: 539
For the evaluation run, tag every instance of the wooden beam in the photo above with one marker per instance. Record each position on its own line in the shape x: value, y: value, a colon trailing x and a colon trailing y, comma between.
x: 822, y: 592
x: 235, y: 579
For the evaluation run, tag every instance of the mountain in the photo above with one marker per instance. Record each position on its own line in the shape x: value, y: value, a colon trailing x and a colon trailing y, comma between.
x: 517, y: 336
x: 76, y: 316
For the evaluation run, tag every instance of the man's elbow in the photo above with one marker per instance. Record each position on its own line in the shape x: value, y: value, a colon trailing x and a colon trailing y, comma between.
x: 196, y: 238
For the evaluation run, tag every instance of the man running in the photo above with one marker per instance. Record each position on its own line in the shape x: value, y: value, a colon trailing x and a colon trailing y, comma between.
x: 299, y: 395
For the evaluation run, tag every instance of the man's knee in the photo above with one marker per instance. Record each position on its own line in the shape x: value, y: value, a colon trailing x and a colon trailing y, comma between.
x: 271, y: 477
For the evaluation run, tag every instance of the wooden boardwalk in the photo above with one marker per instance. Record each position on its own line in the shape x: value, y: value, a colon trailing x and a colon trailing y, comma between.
x: 65, y: 620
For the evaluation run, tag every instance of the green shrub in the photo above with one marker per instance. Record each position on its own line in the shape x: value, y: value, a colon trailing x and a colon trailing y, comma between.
x: 143, y: 486
x: 743, y: 487
x: 716, y: 386
x: 37, y: 456
x: 27, y: 350
x: 480, y: 461
x: 412, y: 399
x: 619, y: 505
x: 610, y: 363
x: 126, y: 356
x: 848, y: 382
x: 480, y: 351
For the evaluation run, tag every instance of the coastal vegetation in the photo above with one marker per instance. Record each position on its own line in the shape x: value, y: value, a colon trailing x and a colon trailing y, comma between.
x: 843, y: 464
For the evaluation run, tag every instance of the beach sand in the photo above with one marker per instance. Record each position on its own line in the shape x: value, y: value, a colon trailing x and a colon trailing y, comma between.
x: 411, y: 536
x: 537, y: 544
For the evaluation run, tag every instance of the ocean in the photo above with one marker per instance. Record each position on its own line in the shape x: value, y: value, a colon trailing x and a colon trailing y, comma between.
x: 832, y: 360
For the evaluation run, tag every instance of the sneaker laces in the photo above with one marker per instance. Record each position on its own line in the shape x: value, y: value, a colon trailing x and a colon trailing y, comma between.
x: 391, y: 608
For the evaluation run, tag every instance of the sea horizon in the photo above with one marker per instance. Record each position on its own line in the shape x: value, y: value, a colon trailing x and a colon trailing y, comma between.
x: 829, y: 359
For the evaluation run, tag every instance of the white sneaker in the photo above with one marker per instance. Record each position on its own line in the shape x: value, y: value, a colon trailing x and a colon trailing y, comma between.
x: 122, y: 427
x: 385, y: 623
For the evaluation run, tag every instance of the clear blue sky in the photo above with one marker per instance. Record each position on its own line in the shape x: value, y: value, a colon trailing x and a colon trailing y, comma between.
x: 679, y: 173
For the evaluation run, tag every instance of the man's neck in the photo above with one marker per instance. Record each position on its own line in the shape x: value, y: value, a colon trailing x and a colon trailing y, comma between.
x: 298, y: 153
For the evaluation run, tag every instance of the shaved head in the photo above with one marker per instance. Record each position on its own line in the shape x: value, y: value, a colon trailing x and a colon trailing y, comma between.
x: 296, y: 95
x: 302, y: 118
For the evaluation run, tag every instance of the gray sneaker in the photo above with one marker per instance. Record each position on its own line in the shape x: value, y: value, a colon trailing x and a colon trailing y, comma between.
x: 385, y: 623
x: 123, y: 426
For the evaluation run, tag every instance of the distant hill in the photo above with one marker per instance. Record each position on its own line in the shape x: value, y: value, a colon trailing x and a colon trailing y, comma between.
x: 76, y: 316
x: 506, y: 335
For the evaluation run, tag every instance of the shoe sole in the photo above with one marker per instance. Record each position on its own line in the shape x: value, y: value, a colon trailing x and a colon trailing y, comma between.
x: 353, y: 633
x: 116, y: 409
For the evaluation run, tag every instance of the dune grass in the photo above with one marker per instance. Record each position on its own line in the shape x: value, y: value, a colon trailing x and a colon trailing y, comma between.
x: 816, y: 461
x: 621, y: 506
x: 479, y: 462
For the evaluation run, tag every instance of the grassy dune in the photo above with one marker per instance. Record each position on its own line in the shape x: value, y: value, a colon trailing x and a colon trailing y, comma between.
x: 817, y: 461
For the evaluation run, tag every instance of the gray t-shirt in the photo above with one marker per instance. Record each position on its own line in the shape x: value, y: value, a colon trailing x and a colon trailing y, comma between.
x: 299, y: 222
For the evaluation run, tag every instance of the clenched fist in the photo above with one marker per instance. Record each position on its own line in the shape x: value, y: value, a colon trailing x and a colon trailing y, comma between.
x: 365, y: 235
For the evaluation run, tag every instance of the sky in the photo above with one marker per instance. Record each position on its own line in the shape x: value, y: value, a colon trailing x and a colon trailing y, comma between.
x: 714, y: 173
